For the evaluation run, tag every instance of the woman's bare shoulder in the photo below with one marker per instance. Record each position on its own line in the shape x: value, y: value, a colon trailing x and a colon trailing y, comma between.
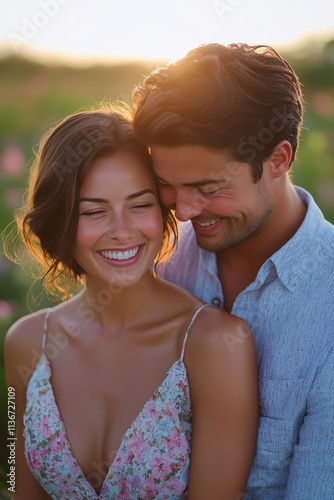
x: 26, y: 329
x: 218, y: 331
x: 23, y: 347
x: 220, y: 358
x: 29, y: 329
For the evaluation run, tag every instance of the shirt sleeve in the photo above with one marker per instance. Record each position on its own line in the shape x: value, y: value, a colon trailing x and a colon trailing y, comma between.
x: 311, y: 473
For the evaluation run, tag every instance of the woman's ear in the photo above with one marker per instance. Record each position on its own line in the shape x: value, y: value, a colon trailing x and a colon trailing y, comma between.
x: 280, y: 159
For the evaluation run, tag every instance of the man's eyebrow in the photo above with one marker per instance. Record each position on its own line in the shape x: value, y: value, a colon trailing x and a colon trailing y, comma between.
x: 130, y: 197
x: 201, y: 182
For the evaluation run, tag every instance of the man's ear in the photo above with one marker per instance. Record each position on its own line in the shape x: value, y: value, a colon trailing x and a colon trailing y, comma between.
x: 280, y: 159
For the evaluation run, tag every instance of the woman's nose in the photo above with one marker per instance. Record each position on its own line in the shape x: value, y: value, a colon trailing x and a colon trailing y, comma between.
x: 120, y: 229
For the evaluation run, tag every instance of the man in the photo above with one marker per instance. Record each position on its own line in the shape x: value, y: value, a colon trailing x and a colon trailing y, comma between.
x: 223, y: 125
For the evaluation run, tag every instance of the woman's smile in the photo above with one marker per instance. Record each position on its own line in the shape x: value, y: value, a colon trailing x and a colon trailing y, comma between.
x: 122, y: 257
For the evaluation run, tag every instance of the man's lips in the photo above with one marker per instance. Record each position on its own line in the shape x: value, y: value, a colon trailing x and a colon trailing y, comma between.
x: 208, y: 223
x: 205, y: 227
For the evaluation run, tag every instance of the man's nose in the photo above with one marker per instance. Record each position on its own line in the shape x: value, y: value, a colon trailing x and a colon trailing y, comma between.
x: 188, y: 205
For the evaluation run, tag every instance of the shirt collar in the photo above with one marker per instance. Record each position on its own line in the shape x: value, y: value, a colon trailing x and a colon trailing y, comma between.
x: 294, y: 260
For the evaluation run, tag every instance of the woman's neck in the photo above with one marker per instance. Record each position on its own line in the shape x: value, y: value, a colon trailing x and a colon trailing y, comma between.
x: 121, y: 306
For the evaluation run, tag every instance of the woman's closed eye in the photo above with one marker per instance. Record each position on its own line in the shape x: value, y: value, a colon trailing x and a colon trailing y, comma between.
x: 91, y: 213
x: 142, y: 205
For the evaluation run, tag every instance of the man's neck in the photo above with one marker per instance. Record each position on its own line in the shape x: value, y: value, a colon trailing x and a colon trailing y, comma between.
x: 238, y: 266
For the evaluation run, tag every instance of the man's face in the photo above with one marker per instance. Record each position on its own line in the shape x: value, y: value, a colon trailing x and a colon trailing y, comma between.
x: 215, y: 192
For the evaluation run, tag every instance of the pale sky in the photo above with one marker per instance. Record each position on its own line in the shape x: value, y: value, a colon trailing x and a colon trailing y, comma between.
x: 156, y: 29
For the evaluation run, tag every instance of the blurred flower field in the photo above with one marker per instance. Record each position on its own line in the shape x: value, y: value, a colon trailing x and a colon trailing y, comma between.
x: 34, y: 97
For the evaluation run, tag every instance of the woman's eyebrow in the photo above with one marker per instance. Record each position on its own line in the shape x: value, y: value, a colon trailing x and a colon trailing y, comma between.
x: 140, y: 193
x: 130, y: 197
x: 96, y: 200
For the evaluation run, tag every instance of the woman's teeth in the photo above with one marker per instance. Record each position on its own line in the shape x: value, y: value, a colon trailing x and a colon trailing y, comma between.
x: 120, y: 255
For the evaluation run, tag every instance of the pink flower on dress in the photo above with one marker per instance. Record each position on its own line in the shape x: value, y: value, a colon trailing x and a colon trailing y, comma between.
x: 172, y: 440
x: 44, y: 452
x: 149, y: 487
x: 130, y: 458
x: 181, y: 385
x: 64, y: 481
x: 36, y: 461
x: 46, y: 431
x: 118, y: 459
x: 176, y: 486
x: 58, y: 443
x: 124, y: 493
x: 160, y: 467
x: 150, y: 411
x: 67, y: 460
x: 136, y: 446
x: 171, y: 412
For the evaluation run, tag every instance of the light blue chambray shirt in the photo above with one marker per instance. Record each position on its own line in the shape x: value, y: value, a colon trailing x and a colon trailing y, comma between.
x: 290, y: 309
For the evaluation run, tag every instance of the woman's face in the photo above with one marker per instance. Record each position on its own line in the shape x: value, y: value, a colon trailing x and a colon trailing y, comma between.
x: 120, y: 223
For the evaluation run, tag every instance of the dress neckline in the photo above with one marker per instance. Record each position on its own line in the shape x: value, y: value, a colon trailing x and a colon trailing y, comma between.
x: 43, y: 359
x: 178, y: 364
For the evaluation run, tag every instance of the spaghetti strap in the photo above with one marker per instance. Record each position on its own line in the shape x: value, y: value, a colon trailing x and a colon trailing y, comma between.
x: 45, y: 330
x: 188, y: 329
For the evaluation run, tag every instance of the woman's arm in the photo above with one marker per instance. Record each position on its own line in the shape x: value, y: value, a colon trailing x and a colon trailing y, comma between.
x: 221, y: 363
x: 22, y: 350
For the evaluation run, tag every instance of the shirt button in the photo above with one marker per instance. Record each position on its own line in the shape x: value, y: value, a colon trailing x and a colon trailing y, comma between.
x: 216, y: 302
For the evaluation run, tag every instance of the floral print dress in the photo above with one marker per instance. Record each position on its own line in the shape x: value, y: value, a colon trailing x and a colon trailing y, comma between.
x: 152, y: 461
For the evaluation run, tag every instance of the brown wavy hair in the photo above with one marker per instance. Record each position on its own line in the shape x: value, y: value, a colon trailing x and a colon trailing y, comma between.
x: 240, y: 98
x: 48, y: 220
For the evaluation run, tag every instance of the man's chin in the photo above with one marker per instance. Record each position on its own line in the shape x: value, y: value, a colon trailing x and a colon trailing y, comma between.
x: 206, y: 244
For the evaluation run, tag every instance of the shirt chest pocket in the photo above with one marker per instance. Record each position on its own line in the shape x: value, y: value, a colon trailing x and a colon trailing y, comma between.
x: 282, y: 399
x: 282, y: 408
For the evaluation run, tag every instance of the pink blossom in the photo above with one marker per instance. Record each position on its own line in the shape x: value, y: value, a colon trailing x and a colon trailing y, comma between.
x: 160, y: 467
x: 150, y: 488
x: 170, y: 410
x: 58, y: 443
x: 12, y: 161
x: 36, y: 461
x: 176, y: 486
x: 124, y: 493
x: 137, y: 447
x: 129, y: 458
x: 6, y: 310
x: 46, y: 431
x: 323, y: 104
x: 171, y: 440
x: 181, y: 385
x: 67, y: 459
x: 64, y: 481
x: 150, y: 411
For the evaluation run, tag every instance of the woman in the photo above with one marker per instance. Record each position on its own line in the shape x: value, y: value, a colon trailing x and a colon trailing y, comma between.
x: 138, y: 390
